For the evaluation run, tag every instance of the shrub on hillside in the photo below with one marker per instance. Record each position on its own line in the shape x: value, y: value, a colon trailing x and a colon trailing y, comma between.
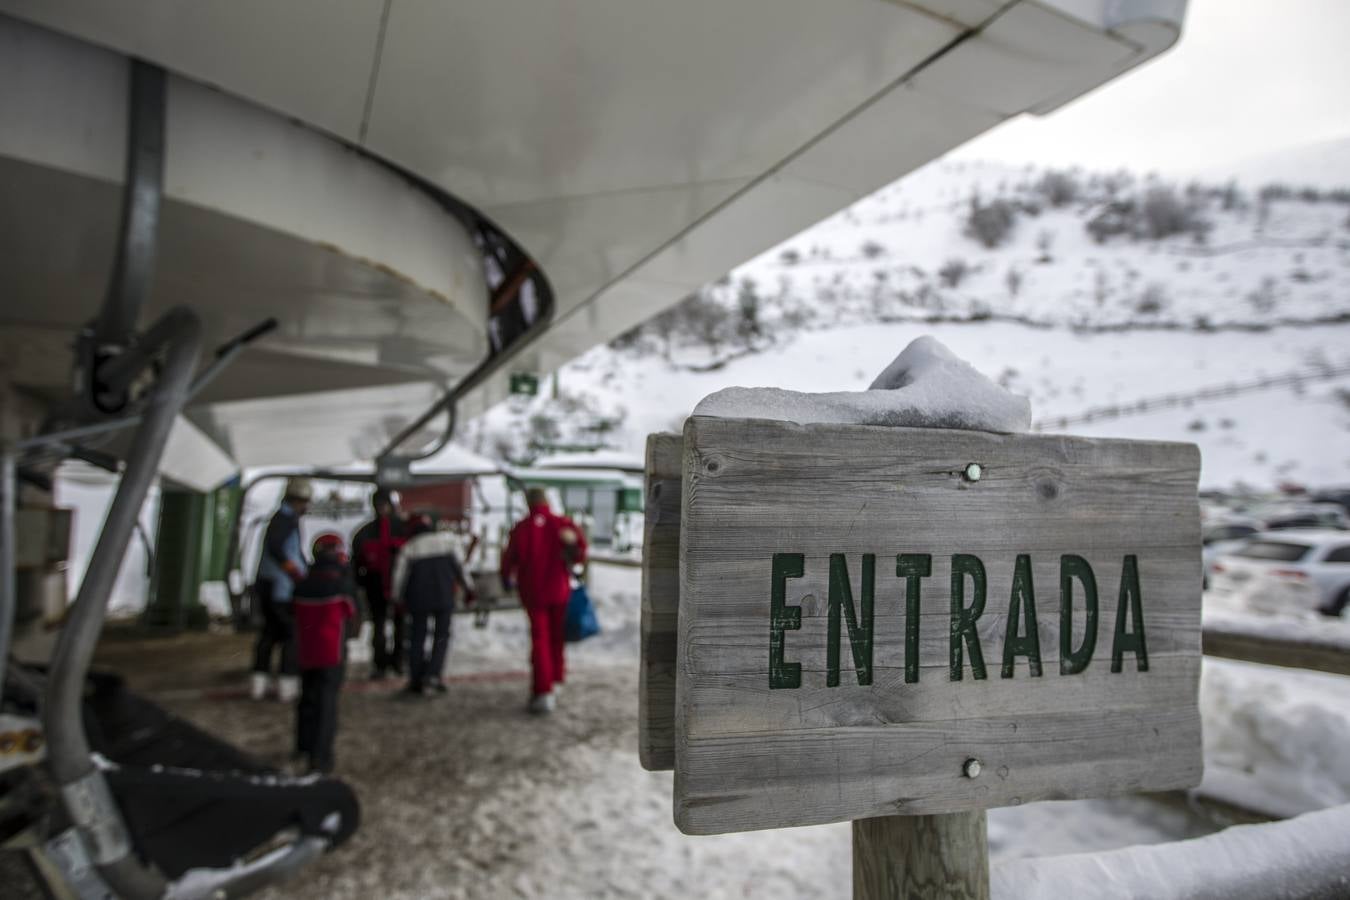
x: 1116, y: 218
x: 1045, y: 243
x: 1160, y: 214
x: 1265, y: 298
x: 953, y: 272
x: 1164, y: 214
x: 664, y: 326
x: 1152, y: 301
x: 1272, y: 192
x: 1058, y: 188
x: 990, y: 223
x: 1117, y: 182
x: 705, y: 319
x: 628, y: 340
x: 747, y: 305
x: 1101, y: 287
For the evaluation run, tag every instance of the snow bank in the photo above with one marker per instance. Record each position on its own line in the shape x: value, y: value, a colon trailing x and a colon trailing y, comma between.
x: 927, y: 386
x: 1299, y: 858
x: 1310, y: 631
x: 1275, y: 739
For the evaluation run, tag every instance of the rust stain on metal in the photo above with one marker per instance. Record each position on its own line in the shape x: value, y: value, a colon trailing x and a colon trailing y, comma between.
x: 384, y: 269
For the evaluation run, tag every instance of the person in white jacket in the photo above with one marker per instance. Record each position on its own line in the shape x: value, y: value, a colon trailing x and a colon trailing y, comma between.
x: 426, y: 576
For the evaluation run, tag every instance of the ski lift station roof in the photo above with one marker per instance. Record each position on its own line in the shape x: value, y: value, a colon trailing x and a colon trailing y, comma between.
x: 599, y: 459
x: 432, y: 197
x: 589, y: 477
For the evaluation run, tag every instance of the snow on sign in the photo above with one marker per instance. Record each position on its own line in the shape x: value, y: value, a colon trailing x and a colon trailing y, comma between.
x: 880, y: 621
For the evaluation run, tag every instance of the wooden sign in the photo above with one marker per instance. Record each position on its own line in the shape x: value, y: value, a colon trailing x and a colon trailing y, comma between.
x: 892, y: 621
x: 660, y: 602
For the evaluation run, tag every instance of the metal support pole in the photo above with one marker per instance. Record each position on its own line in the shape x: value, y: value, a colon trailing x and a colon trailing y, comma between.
x: 83, y: 787
x: 921, y: 857
x: 225, y: 355
x: 135, y: 262
x: 8, y: 555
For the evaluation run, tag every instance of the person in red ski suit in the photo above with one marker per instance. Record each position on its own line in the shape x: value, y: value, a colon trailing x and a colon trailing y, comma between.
x: 538, y: 559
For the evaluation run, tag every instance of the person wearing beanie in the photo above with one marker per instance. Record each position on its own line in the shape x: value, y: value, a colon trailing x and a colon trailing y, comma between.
x: 280, y: 566
x: 374, y: 548
x: 538, y: 559
x: 325, y: 608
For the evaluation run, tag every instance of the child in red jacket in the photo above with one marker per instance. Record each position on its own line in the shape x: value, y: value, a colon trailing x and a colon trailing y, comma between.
x: 324, y: 603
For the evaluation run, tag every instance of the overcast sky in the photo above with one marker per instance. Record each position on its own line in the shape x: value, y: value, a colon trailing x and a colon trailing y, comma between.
x: 1247, y: 78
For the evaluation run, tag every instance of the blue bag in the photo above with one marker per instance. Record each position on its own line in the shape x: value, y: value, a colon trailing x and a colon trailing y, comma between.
x: 581, y: 622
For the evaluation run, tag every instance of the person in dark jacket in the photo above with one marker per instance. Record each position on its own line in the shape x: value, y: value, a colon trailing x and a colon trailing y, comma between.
x: 325, y: 608
x: 538, y: 559
x: 374, y: 548
x: 426, y: 576
x: 280, y: 566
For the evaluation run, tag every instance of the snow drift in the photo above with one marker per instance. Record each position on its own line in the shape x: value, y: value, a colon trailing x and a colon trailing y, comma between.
x: 1298, y: 858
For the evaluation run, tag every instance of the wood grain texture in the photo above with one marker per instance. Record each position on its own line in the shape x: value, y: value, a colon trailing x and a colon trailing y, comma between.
x: 850, y: 741
x: 921, y: 857
x: 660, y: 602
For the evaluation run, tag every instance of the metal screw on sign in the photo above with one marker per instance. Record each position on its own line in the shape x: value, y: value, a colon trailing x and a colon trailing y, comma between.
x: 973, y: 472
x: 972, y: 768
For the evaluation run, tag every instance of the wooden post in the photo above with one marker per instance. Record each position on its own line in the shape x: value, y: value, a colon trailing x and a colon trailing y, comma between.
x: 941, y: 857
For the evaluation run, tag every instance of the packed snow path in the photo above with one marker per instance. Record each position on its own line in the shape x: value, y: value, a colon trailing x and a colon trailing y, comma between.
x: 467, y: 796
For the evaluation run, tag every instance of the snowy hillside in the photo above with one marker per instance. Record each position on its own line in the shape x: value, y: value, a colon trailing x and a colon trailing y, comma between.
x: 1067, y: 248
x: 1077, y: 290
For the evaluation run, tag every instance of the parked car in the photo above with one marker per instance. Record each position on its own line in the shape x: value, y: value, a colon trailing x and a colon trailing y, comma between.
x: 1280, y: 571
x: 1311, y: 515
x: 1224, y: 537
x: 1337, y: 495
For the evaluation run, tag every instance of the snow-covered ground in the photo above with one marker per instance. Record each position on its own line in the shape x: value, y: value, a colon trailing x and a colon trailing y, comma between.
x: 1276, y: 737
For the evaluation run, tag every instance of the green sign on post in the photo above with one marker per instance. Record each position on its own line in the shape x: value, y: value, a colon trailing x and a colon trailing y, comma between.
x: 525, y: 383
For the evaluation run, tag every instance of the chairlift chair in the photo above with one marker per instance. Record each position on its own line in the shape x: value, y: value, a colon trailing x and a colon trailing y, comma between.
x: 111, y: 795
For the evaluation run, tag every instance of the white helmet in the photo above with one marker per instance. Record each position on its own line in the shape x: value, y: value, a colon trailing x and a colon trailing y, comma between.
x: 299, y: 489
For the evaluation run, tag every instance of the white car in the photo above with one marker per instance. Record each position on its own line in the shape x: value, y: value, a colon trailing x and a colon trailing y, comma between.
x: 1282, y: 571
x: 1224, y: 537
x: 1308, y: 515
